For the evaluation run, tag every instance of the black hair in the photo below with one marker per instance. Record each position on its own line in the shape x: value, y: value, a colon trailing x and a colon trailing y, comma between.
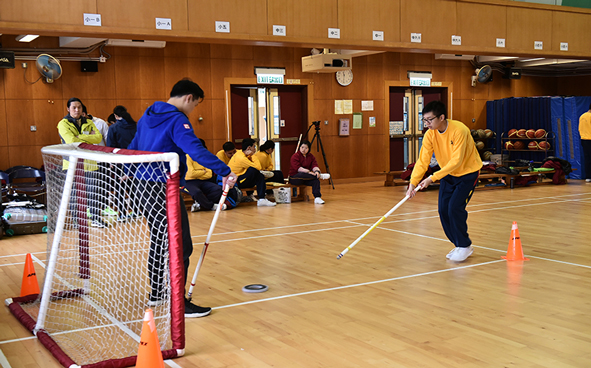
x: 73, y: 99
x: 247, y: 142
x: 307, y: 143
x: 122, y: 111
x: 112, y: 119
x: 436, y: 107
x: 187, y: 87
x: 203, y: 143
x: 84, y: 109
x: 229, y: 146
x: 268, y: 144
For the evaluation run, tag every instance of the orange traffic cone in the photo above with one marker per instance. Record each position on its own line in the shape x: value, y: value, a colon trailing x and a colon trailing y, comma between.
x: 149, y: 354
x: 30, y: 284
x: 515, y: 252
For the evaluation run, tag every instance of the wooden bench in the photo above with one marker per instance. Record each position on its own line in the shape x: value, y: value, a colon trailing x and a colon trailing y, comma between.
x: 392, y: 178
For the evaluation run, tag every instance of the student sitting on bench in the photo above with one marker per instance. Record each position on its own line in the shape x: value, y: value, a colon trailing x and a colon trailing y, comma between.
x: 248, y: 169
x: 266, y: 159
x: 304, y: 170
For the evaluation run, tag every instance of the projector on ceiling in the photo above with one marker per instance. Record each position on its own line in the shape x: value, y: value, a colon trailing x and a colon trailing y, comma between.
x: 326, y: 63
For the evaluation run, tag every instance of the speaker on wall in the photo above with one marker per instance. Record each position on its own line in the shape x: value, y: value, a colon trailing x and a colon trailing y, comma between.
x: 89, y: 66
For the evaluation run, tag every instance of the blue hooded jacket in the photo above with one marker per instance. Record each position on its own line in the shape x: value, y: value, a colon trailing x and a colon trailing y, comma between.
x: 121, y: 134
x: 163, y: 128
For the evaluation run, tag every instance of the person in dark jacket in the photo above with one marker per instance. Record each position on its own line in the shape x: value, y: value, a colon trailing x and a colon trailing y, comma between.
x: 304, y: 170
x: 165, y: 127
x: 123, y: 131
x: 120, y: 135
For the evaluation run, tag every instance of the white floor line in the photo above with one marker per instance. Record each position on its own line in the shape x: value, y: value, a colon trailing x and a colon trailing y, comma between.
x: 171, y: 363
x: 395, y: 214
x: 3, y: 361
x: 356, y: 285
x: 20, y: 255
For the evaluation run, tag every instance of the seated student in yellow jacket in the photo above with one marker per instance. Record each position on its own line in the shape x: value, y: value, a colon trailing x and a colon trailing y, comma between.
x: 266, y: 159
x: 225, y: 154
x: 460, y: 164
x: 201, y: 184
x: 248, y: 169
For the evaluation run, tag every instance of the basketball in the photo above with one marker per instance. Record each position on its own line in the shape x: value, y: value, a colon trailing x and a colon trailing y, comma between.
x: 530, y: 133
x: 540, y: 133
x: 532, y: 145
x: 512, y: 133
x: 486, y: 155
x: 509, y: 145
x: 544, y: 145
x: 480, y: 145
x: 481, y: 133
x: 488, y: 133
x: 518, y: 145
x: 521, y: 133
x: 474, y: 133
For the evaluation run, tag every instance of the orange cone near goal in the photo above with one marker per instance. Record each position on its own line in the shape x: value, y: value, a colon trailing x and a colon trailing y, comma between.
x: 149, y: 354
x: 515, y: 252
x: 29, y: 285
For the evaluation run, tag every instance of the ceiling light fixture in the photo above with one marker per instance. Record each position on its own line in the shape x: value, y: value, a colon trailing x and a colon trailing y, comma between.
x: 26, y: 38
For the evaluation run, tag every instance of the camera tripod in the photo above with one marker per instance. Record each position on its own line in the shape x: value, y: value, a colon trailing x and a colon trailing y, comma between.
x: 319, y: 146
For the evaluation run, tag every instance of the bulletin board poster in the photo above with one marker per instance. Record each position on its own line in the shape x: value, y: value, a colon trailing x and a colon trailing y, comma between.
x: 343, y: 127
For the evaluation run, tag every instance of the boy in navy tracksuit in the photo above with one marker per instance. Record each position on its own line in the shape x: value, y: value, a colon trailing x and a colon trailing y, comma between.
x: 165, y: 127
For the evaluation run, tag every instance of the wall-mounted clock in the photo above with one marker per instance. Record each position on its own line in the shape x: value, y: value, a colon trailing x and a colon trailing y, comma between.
x: 344, y: 77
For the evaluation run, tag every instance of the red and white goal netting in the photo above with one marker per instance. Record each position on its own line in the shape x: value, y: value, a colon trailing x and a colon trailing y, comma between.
x: 114, y: 249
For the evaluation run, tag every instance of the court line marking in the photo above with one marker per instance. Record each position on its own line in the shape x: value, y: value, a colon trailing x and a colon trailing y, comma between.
x: 3, y: 361
x: 356, y: 285
x: 396, y: 214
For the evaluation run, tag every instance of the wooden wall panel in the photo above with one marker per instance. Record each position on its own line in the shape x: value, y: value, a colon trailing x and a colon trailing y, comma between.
x: 187, y: 50
x: 218, y: 121
x: 84, y: 85
x: 220, y: 69
x: 25, y: 155
x: 527, y: 26
x: 52, y: 12
x: 358, y: 19
x: 198, y: 70
x: 480, y: 25
x: 377, y: 159
x: 436, y: 25
x: 303, y: 18
x: 18, y: 88
x: 140, y: 78
x: 4, y: 158
x: 142, y: 14
x: 577, y: 86
x: 573, y: 28
x: 21, y: 114
x: 101, y: 108
x: 245, y: 17
x: 3, y: 127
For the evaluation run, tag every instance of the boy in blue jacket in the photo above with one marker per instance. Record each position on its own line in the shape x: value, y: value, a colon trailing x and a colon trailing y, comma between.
x: 165, y: 127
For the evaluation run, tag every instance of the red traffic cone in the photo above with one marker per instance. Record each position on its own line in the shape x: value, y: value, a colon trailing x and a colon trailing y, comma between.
x: 149, y: 354
x: 515, y: 252
x: 29, y: 285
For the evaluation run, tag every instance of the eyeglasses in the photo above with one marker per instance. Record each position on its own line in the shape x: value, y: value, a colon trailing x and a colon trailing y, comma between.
x: 429, y: 120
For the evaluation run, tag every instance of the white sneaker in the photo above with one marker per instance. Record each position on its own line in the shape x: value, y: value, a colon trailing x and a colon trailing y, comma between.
x: 264, y: 202
x: 588, y: 180
x: 267, y: 174
x: 318, y: 200
x: 324, y: 176
x: 195, y: 207
x: 460, y: 254
x: 215, y: 207
x: 448, y: 256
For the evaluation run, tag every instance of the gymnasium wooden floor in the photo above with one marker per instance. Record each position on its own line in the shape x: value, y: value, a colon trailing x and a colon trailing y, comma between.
x: 393, y: 301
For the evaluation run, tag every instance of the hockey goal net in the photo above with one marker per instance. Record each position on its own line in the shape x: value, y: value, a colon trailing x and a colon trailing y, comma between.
x: 113, y: 250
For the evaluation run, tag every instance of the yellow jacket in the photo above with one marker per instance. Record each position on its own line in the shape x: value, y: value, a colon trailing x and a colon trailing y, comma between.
x: 585, y: 126
x: 196, y: 171
x: 265, y: 159
x: 454, y: 149
x: 88, y: 133
x: 239, y: 163
x: 222, y: 156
